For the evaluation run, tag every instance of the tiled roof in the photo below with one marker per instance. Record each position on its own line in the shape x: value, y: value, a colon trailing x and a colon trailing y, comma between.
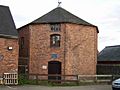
x: 110, y: 53
x: 60, y: 15
x: 7, y: 26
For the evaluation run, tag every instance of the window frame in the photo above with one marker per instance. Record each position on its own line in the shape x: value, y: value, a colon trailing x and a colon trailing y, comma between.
x: 53, y: 40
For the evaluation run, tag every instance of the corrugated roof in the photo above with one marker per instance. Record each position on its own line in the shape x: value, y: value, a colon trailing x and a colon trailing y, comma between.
x: 7, y: 26
x: 60, y: 15
x: 110, y: 53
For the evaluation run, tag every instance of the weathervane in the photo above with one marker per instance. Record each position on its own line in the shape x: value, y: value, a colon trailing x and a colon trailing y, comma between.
x: 59, y: 3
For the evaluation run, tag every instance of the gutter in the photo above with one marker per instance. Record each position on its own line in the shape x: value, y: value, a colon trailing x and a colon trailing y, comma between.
x: 8, y: 36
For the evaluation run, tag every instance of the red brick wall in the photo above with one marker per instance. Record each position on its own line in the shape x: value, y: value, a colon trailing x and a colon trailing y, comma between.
x: 10, y: 61
x: 24, y: 51
x: 81, y: 48
x: 24, y: 32
x: 40, y: 51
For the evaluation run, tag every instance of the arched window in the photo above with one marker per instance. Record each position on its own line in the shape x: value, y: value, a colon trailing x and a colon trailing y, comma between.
x: 55, y: 40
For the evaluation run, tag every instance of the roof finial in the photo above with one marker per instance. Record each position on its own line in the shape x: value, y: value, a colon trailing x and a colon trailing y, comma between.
x: 59, y: 3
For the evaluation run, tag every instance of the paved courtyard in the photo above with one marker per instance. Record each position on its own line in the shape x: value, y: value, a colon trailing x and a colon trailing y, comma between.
x: 33, y: 87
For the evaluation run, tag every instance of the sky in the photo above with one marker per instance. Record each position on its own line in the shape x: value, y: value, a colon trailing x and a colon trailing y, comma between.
x: 105, y: 14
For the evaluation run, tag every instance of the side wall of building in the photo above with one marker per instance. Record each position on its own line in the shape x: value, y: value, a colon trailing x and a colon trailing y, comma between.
x: 81, y: 55
x: 24, y: 33
x: 108, y: 67
x: 8, y: 58
x: 24, y: 49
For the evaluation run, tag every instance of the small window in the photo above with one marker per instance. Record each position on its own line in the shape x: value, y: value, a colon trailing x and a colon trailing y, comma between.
x: 55, y: 27
x: 22, y: 42
x: 55, y: 40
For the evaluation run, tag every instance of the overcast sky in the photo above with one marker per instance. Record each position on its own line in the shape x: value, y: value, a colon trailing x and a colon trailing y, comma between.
x: 103, y: 13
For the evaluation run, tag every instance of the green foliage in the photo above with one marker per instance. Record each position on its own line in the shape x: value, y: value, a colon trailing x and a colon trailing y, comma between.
x: 23, y: 79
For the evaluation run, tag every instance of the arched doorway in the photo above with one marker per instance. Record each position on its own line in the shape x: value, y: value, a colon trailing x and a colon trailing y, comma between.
x: 54, y: 67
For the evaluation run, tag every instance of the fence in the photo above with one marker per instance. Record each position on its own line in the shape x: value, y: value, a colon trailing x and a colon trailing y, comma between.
x: 54, y: 78
x: 75, y: 78
x: 10, y: 78
x: 95, y: 78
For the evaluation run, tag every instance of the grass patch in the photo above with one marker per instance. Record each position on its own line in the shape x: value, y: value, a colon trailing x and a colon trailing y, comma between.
x: 23, y: 79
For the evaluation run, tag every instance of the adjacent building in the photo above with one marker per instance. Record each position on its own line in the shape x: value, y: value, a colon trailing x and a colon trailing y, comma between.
x: 109, y: 60
x: 8, y: 42
x: 58, y: 43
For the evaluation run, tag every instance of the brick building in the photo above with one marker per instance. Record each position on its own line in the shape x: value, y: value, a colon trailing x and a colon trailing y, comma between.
x: 58, y: 43
x: 8, y: 42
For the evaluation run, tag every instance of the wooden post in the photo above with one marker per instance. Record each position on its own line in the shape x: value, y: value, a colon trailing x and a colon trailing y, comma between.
x: 112, y: 78
x: 37, y: 79
x: 77, y: 79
